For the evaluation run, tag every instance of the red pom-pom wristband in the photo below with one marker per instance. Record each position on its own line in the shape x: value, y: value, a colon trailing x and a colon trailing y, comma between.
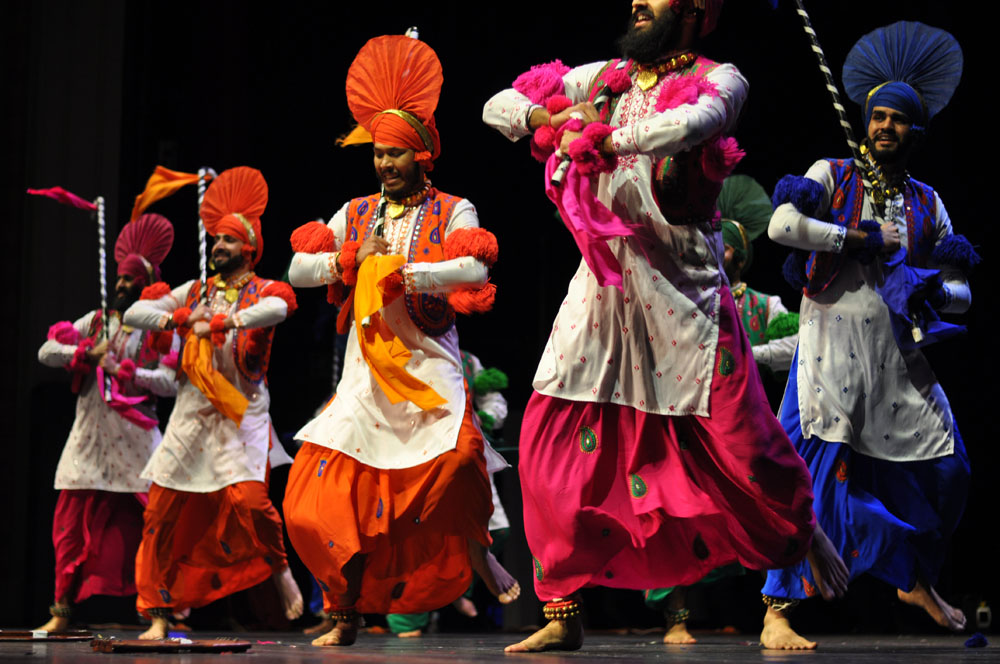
x: 218, y: 327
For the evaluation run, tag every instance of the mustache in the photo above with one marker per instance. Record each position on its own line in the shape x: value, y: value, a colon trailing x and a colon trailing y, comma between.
x: 641, y: 13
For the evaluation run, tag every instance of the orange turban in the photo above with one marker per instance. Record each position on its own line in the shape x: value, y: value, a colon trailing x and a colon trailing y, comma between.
x: 393, y: 87
x: 233, y: 205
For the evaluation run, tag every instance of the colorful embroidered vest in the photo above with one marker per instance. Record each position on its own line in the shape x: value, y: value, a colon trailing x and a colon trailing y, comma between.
x: 846, y: 204
x: 431, y: 313
x: 251, y: 347
x: 146, y: 358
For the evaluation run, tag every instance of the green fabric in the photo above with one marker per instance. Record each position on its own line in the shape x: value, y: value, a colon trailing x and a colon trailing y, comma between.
x: 657, y: 598
x: 490, y: 380
x: 753, y: 313
x: 407, y: 622
x: 783, y: 325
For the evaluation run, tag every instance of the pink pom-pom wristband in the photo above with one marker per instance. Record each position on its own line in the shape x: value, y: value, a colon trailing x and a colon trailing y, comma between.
x: 64, y: 333
x: 126, y: 369
x: 586, y: 150
x: 79, y: 363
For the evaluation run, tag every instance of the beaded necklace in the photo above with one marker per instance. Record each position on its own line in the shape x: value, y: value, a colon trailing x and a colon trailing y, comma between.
x: 395, y: 208
x: 648, y: 75
x: 232, y: 288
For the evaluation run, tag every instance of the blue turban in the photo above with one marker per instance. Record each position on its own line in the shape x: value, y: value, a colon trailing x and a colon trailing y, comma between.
x: 898, y: 96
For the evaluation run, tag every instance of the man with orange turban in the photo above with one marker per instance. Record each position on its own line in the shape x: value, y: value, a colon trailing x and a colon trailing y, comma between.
x: 98, y: 519
x: 210, y: 529
x: 388, y: 502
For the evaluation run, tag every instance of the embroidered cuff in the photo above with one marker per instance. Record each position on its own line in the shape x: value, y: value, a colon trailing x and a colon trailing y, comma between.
x: 409, y: 278
x: 839, y: 235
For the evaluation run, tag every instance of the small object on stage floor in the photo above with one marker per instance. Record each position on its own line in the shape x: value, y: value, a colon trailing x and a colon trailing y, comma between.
x: 42, y: 635
x: 169, y: 645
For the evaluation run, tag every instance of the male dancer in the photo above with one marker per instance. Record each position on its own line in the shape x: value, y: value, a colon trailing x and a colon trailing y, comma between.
x: 210, y: 529
x: 388, y: 500
x: 98, y: 519
x: 648, y: 452
x: 890, y: 472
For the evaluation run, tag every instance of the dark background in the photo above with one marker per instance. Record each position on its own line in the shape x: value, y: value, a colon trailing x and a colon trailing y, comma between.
x: 97, y: 93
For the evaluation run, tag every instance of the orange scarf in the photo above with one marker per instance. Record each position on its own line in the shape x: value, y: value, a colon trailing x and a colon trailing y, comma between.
x: 383, y: 351
x: 197, y: 364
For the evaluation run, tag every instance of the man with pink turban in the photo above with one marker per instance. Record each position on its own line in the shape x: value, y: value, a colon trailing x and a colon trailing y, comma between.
x: 118, y: 375
x: 648, y: 453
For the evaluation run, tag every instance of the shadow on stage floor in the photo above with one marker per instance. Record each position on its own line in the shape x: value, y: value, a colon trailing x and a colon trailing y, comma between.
x: 295, y: 649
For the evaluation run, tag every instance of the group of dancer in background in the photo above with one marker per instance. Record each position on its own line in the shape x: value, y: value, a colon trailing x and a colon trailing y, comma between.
x: 650, y: 457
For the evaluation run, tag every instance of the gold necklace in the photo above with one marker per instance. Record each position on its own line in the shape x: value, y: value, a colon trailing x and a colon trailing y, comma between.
x: 738, y: 290
x: 232, y: 288
x: 395, y: 209
x: 648, y: 75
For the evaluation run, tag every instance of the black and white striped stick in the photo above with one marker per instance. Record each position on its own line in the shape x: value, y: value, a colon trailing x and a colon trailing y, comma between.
x: 831, y: 87
x: 102, y: 271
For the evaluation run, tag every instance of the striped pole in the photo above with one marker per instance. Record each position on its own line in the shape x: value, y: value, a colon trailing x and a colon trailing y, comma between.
x: 102, y: 269
x: 202, y: 237
x: 831, y: 86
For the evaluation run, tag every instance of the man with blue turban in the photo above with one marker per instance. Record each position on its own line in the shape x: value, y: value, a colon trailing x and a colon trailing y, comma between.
x: 890, y: 472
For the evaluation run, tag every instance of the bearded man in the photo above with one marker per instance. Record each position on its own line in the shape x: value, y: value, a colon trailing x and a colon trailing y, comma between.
x: 648, y: 454
x: 889, y: 468
x: 210, y: 529
x: 118, y: 375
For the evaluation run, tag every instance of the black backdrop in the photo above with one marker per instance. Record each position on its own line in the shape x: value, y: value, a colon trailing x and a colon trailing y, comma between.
x: 96, y: 93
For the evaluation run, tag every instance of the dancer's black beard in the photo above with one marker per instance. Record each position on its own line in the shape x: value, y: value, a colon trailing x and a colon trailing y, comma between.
x: 647, y: 44
x: 125, y: 299
x: 229, y: 264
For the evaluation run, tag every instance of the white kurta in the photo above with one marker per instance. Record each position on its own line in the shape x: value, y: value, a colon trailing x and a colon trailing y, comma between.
x: 202, y: 450
x: 855, y: 385
x: 105, y: 451
x: 360, y: 421
x: 651, y: 346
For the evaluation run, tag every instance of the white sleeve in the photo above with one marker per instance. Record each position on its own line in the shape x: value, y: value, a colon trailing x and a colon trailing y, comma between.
x: 161, y: 381
x: 777, y: 353
x: 54, y: 354
x: 955, y: 283
x: 268, y: 311
x: 308, y: 270
x: 449, y: 275
x: 508, y: 110
x: 794, y: 229
x: 684, y: 127
x: 154, y: 314
x: 494, y: 405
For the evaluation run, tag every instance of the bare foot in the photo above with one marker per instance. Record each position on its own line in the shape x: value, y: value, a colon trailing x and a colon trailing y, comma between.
x: 412, y: 634
x: 158, y: 630
x: 828, y: 567
x: 678, y: 633
x: 497, y: 579
x: 344, y: 633
x: 55, y: 624
x: 466, y: 607
x: 940, y: 611
x: 557, y: 635
x: 291, y: 596
x: 779, y: 635
x: 324, y: 626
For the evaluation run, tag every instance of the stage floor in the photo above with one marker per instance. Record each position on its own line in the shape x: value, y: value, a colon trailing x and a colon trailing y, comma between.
x: 274, y: 648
